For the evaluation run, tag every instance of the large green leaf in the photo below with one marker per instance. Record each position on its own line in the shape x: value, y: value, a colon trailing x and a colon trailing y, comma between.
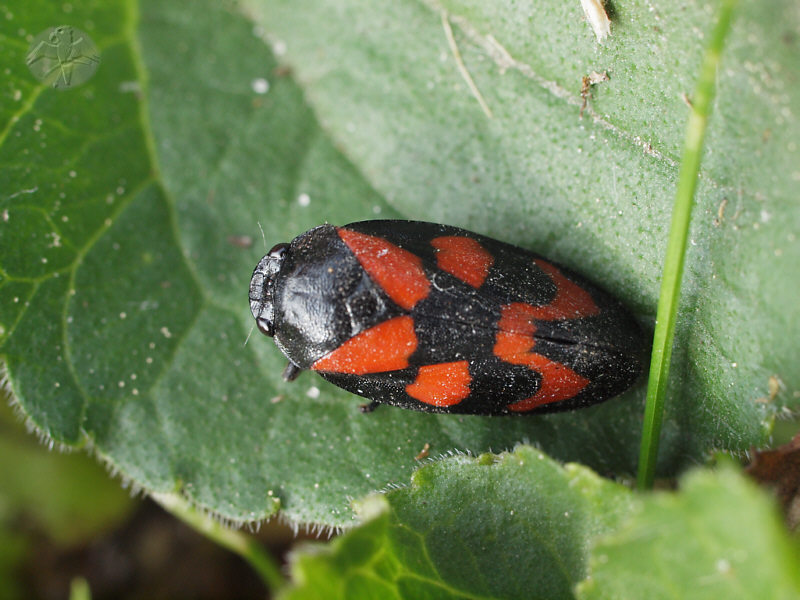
x: 127, y: 204
x: 595, y: 193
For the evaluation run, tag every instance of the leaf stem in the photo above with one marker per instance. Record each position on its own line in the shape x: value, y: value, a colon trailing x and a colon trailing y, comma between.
x: 233, y: 540
x: 676, y: 247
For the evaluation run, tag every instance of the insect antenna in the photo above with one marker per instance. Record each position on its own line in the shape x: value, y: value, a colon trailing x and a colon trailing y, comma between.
x: 263, y: 237
x: 247, y: 339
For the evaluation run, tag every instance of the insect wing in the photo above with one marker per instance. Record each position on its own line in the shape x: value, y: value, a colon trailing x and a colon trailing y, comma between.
x: 489, y: 328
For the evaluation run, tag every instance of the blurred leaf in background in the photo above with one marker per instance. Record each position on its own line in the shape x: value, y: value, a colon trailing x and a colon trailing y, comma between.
x: 53, y: 499
x: 65, y: 524
x: 67, y: 495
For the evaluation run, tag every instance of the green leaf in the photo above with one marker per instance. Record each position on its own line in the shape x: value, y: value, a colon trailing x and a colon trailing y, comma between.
x: 129, y: 205
x: 594, y: 193
x: 717, y: 537
x: 720, y: 537
x: 440, y: 538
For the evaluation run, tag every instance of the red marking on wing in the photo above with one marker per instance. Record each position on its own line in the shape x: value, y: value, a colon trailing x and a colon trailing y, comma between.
x: 518, y: 317
x: 464, y: 258
x: 571, y: 301
x: 385, y: 347
x: 397, y: 271
x: 559, y: 382
x: 444, y: 384
x: 514, y: 344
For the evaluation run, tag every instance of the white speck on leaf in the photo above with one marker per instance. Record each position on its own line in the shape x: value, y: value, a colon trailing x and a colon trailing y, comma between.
x: 260, y: 85
x: 129, y: 87
x: 279, y: 47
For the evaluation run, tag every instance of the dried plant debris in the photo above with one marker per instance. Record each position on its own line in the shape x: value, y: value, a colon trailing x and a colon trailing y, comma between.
x: 780, y: 470
x: 587, y: 81
x: 597, y: 16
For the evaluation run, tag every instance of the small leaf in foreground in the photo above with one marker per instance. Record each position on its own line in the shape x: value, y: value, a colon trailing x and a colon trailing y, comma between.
x: 519, y: 525
x: 720, y: 537
x: 514, y: 525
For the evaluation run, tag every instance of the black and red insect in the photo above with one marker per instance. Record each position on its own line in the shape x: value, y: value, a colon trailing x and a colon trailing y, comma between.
x: 439, y: 319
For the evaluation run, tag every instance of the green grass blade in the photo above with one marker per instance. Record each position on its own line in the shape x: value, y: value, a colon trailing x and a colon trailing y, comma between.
x: 676, y: 247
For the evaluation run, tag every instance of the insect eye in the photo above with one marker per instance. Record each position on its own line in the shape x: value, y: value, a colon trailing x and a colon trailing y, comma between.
x: 265, y: 327
x: 278, y: 250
